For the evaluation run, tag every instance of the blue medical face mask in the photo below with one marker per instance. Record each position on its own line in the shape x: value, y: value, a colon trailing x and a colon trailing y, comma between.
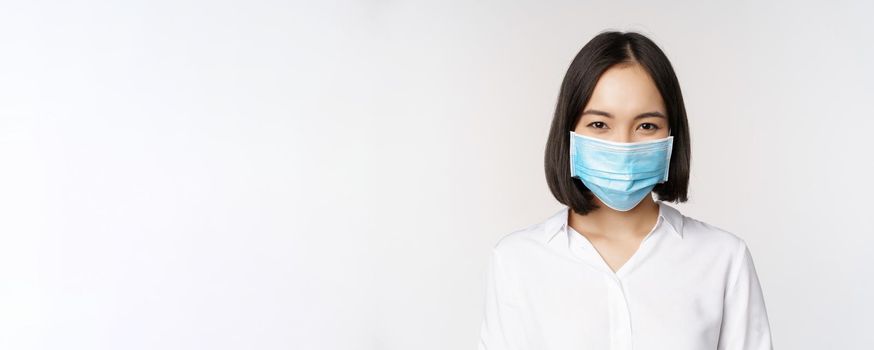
x: 620, y: 174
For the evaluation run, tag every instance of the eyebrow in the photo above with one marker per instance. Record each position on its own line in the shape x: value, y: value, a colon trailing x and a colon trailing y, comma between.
x: 642, y: 115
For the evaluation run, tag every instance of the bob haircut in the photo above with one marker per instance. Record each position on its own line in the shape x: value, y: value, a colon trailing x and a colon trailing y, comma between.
x: 606, y: 49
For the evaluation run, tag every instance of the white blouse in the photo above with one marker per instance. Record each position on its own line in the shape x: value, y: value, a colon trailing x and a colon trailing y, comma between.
x: 689, y: 286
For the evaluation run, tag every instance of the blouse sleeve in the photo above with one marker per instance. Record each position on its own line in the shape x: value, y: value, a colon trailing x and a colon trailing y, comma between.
x: 745, y: 323
x: 501, y: 327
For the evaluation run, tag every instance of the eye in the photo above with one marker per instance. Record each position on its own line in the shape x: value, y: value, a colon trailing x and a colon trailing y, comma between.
x: 597, y: 125
x: 649, y: 126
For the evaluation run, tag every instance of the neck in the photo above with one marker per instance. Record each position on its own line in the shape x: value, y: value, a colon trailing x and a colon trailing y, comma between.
x: 611, y: 223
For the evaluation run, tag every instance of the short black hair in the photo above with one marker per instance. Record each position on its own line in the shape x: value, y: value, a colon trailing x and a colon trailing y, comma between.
x: 606, y: 49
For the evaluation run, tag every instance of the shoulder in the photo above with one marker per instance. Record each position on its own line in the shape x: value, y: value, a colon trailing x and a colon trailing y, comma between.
x: 534, y: 244
x: 713, y: 239
x: 531, y: 239
x: 520, y: 238
x: 699, y: 229
x: 717, y: 244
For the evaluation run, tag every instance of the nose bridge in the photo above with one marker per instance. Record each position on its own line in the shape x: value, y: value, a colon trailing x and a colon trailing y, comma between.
x: 622, y: 133
x: 626, y: 137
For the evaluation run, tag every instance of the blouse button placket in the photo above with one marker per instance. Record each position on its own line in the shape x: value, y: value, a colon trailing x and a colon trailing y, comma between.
x: 620, y: 318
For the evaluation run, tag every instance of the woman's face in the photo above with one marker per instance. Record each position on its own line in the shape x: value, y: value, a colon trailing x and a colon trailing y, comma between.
x: 625, y: 106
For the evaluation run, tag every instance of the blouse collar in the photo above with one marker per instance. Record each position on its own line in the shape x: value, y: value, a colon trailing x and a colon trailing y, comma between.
x: 557, y: 222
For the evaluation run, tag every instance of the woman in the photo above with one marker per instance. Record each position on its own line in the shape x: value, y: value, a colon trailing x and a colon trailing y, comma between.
x: 615, y: 269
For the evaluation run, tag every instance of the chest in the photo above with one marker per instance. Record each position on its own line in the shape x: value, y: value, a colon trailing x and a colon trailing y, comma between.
x: 664, y: 300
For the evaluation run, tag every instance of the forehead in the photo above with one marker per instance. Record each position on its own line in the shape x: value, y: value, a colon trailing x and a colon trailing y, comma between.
x: 625, y: 91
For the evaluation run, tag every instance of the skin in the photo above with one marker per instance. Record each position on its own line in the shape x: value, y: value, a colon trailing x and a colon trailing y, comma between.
x: 624, y: 92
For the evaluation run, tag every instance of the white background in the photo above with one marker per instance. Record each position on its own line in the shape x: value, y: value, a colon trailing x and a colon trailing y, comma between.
x: 266, y: 175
